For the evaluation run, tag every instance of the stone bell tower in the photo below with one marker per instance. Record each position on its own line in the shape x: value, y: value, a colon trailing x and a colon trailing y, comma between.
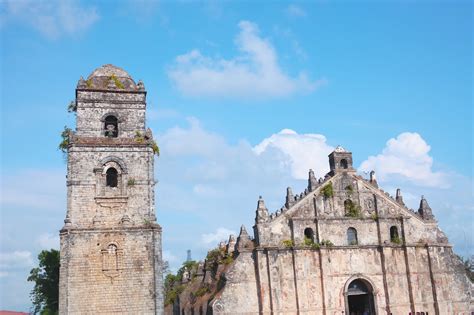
x: 110, y: 244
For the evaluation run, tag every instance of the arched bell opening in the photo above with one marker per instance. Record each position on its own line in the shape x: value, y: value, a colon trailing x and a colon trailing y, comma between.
x: 359, y: 296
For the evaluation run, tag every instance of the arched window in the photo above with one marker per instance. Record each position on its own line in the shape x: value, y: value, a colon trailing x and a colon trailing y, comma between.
x: 111, y: 126
x: 352, y: 236
x: 112, y: 249
x: 343, y: 163
x: 394, y: 234
x: 360, y: 298
x: 309, y: 235
x: 111, y: 177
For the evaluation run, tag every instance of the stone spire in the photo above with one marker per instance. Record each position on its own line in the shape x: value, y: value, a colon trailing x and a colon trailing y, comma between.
x: 399, y: 197
x: 262, y: 211
x: 82, y: 83
x: 243, y: 240
x: 231, y: 244
x: 290, y: 199
x: 312, y: 181
x: 424, y: 210
x: 373, y: 179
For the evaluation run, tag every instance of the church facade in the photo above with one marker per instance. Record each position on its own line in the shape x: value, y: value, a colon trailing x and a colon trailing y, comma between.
x: 343, y: 246
x: 111, y: 243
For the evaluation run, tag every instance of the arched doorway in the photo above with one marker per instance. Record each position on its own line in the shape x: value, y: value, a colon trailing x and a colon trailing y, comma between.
x: 360, y: 298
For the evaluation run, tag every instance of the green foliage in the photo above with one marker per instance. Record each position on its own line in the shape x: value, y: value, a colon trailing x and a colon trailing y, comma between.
x: 352, y: 210
x: 65, y: 136
x: 117, y: 82
x: 315, y: 246
x: 89, y: 83
x: 327, y: 191
x: 326, y: 243
x: 139, y: 137
x: 396, y: 240
x: 227, y: 260
x: 202, y: 291
x: 374, y: 216
x: 131, y: 182
x: 308, y: 241
x: 72, y: 107
x: 288, y: 243
x: 172, y: 286
x: 156, y: 149
x: 349, y: 188
x: 45, y: 293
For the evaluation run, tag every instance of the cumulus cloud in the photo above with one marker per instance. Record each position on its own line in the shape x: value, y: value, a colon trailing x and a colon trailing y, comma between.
x: 48, y: 241
x: 15, y: 260
x: 253, y: 73
x: 295, y: 11
x: 52, y: 19
x: 221, y: 234
x: 46, y: 189
x: 406, y: 157
x: 303, y: 151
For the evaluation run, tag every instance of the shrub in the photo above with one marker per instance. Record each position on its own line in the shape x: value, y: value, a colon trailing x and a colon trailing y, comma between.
x: 353, y: 210
x: 65, y: 135
x: 396, y: 240
x: 117, y: 81
x: 328, y: 191
x: 131, y: 182
x: 288, y: 243
x: 326, y: 243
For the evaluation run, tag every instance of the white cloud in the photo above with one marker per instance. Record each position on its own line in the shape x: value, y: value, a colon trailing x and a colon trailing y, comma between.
x: 15, y: 260
x: 407, y: 158
x: 33, y: 189
x: 295, y: 11
x: 48, y: 241
x: 303, y: 151
x: 221, y: 234
x: 53, y: 18
x: 255, y: 73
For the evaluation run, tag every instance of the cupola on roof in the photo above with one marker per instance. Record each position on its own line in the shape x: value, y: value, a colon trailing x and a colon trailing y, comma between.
x: 110, y: 77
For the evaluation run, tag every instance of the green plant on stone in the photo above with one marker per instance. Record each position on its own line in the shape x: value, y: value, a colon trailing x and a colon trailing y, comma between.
x: 131, y: 182
x: 139, y: 137
x: 374, y: 216
x: 396, y: 240
x: 353, y: 210
x: 349, y: 188
x: 156, y: 149
x: 328, y: 191
x: 315, y: 246
x: 65, y: 136
x: 117, y: 82
x: 308, y: 241
x: 89, y: 83
x: 72, y: 107
x: 288, y: 243
x: 326, y: 243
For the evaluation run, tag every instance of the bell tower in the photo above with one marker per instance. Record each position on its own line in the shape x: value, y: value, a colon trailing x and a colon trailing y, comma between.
x: 111, y: 260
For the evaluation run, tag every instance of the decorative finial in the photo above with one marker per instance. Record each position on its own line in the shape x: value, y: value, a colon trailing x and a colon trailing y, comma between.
x: 140, y: 85
x: 262, y: 211
x: 290, y: 199
x: 373, y: 179
x: 425, y: 210
x: 399, y: 198
x: 81, y: 84
x: 312, y: 181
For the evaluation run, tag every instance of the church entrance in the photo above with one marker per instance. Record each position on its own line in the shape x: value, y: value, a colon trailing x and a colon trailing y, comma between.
x: 360, y: 298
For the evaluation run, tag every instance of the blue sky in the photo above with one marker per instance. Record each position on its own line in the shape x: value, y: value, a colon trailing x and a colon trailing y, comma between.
x: 243, y: 99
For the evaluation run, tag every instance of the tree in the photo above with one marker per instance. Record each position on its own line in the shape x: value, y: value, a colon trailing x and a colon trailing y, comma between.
x: 45, y: 293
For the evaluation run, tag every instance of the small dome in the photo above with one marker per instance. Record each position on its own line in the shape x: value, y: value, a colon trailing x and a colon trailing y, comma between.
x: 340, y: 149
x: 108, y: 71
x: 110, y: 77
